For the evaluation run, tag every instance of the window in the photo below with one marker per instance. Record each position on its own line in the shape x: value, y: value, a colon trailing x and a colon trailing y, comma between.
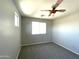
x: 16, y: 23
x: 38, y: 28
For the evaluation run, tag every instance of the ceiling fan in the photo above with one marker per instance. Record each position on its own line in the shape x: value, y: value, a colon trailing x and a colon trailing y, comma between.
x: 53, y: 11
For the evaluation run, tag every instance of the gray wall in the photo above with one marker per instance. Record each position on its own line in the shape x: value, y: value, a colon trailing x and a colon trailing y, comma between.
x: 9, y: 34
x: 66, y: 32
x: 28, y: 38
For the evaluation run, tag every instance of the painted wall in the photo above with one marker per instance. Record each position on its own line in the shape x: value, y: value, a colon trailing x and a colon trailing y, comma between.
x: 28, y: 38
x: 66, y: 32
x: 9, y: 34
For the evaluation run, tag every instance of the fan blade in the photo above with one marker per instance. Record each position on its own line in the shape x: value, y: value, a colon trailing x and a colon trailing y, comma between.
x: 62, y: 10
x: 57, y: 4
x: 50, y: 14
x: 59, y: 1
x: 45, y: 10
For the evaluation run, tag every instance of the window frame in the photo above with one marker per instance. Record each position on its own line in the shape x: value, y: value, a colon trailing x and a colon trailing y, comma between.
x: 39, y: 28
x: 16, y: 19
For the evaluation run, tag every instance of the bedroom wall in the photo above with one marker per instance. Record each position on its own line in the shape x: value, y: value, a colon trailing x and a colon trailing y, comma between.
x: 65, y: 32
x: 9, y: 34
x: 28, y: 38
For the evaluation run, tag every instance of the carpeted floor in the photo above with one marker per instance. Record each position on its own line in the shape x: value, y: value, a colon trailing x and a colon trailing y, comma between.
x: 46, y: 51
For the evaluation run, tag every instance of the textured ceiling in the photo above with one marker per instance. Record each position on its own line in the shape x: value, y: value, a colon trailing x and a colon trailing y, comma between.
x: 32, y: 8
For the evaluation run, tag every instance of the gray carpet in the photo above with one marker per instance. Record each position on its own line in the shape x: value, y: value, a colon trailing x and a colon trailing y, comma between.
x: 46, y: 51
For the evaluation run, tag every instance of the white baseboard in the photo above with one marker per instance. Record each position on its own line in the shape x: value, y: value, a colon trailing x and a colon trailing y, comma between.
x: 34, y: 43
x: 67, y: 48
x: 18, y: 53
x: 50, y: 42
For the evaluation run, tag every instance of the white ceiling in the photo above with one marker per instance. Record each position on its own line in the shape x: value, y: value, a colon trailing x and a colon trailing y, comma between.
x: 32, y: 8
